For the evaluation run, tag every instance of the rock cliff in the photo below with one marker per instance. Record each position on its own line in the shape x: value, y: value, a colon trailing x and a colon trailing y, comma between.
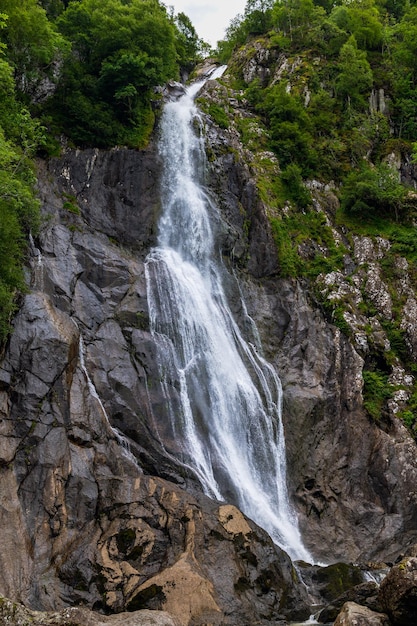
x: 95, y: 510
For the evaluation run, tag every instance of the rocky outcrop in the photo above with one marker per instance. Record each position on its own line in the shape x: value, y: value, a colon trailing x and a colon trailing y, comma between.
x: 14, y: 614
x: 398, y: 593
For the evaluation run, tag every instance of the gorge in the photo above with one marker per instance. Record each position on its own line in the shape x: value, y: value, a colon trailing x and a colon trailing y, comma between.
x: 90, y: 524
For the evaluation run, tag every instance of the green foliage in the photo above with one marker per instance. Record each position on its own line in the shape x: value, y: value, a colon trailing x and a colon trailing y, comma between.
x: 299, y: 20
x: 258, y: 16
x: 218, y: 114
x: 409, y: 416
x: 188, y: 42
x: 376, y: 391
x: 354, y: 78
x: 361, y: 19
x: 19, y: 209
x: 371, y: 191
x: 18, y: 213
x: 287, y: 256
x: 290, y: 128
x: 296, y: 190
x: 120, y: 51
x: 33, y: 44
x: 310, y: 232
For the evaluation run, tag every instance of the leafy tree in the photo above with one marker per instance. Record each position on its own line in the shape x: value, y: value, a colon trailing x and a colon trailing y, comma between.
x: 298, y: 19
x: 235, y: 36
x: 296, y: 190
x: 54, y: 8
x: 33, y: 44
x: 188, y: 41
x: 120, y: 51
x: 373, y: 191
x: 290, y: 128
x: 19, y: 208
x: 355, y: 77
x: 404, y: 55
x: 258, y: 16
x: 362, y: 19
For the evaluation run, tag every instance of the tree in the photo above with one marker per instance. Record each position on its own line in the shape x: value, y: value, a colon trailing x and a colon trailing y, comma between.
x: 258, y: 16
x: 33, y: 44
x: 354, y: 77
x: 298, y: 19
x: 19, y: 208
x: 188, y: 42
x: 120, y: 52
x: 290, y: 127
x: 373, y: 191
x: 362, y: 19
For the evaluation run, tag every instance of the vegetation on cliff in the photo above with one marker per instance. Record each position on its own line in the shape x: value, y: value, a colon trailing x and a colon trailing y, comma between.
x: 86, y: 69
x: 328, y: 91
x: 19, y: 138
x: 327, y: 97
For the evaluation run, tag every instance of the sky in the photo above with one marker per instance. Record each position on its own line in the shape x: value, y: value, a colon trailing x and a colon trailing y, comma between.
x: 210, y: 18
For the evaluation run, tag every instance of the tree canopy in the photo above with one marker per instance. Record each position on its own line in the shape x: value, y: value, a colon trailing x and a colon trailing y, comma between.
x: 83, y: 68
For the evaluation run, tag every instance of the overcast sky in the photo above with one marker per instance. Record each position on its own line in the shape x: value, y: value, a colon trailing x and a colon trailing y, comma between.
x: 210, y: 18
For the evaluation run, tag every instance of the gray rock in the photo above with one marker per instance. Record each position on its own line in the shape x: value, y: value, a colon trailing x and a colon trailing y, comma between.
x: 398, y: 593
x: 14, y: 614
x: 355, y: 615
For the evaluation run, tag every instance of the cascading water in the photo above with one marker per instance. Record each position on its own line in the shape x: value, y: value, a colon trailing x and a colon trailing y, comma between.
x: 227, y: 415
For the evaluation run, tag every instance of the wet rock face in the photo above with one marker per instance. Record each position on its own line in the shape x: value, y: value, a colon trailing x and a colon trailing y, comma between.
x: 115, y: 191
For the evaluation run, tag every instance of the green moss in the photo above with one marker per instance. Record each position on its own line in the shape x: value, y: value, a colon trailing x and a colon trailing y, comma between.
x: 338, y: 578
x: 295, y: 230
x: 287, y: 256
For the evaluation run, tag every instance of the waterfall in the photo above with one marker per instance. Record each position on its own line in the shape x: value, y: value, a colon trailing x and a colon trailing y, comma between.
x: 224, y: 399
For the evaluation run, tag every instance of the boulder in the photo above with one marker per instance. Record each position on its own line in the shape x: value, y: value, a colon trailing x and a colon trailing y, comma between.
x: 398, y: 593
x: 353, y: 614
x: 364, y: 594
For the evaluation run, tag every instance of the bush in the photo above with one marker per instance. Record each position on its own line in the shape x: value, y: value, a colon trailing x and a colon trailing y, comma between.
x: 376, y: 391
x: 372, y: 191
x: 293, y: 182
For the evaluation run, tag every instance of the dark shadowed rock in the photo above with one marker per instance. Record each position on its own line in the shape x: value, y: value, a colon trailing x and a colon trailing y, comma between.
x: 365, y: 594
x: 174, y: 90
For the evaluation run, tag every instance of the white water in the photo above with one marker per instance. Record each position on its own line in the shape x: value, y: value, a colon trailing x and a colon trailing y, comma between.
x: 37, y: 277
x: 227, y: 417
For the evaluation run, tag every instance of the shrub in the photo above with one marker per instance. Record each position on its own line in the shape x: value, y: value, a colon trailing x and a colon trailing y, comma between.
x: 372, y: 191
x: 376, y: 391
